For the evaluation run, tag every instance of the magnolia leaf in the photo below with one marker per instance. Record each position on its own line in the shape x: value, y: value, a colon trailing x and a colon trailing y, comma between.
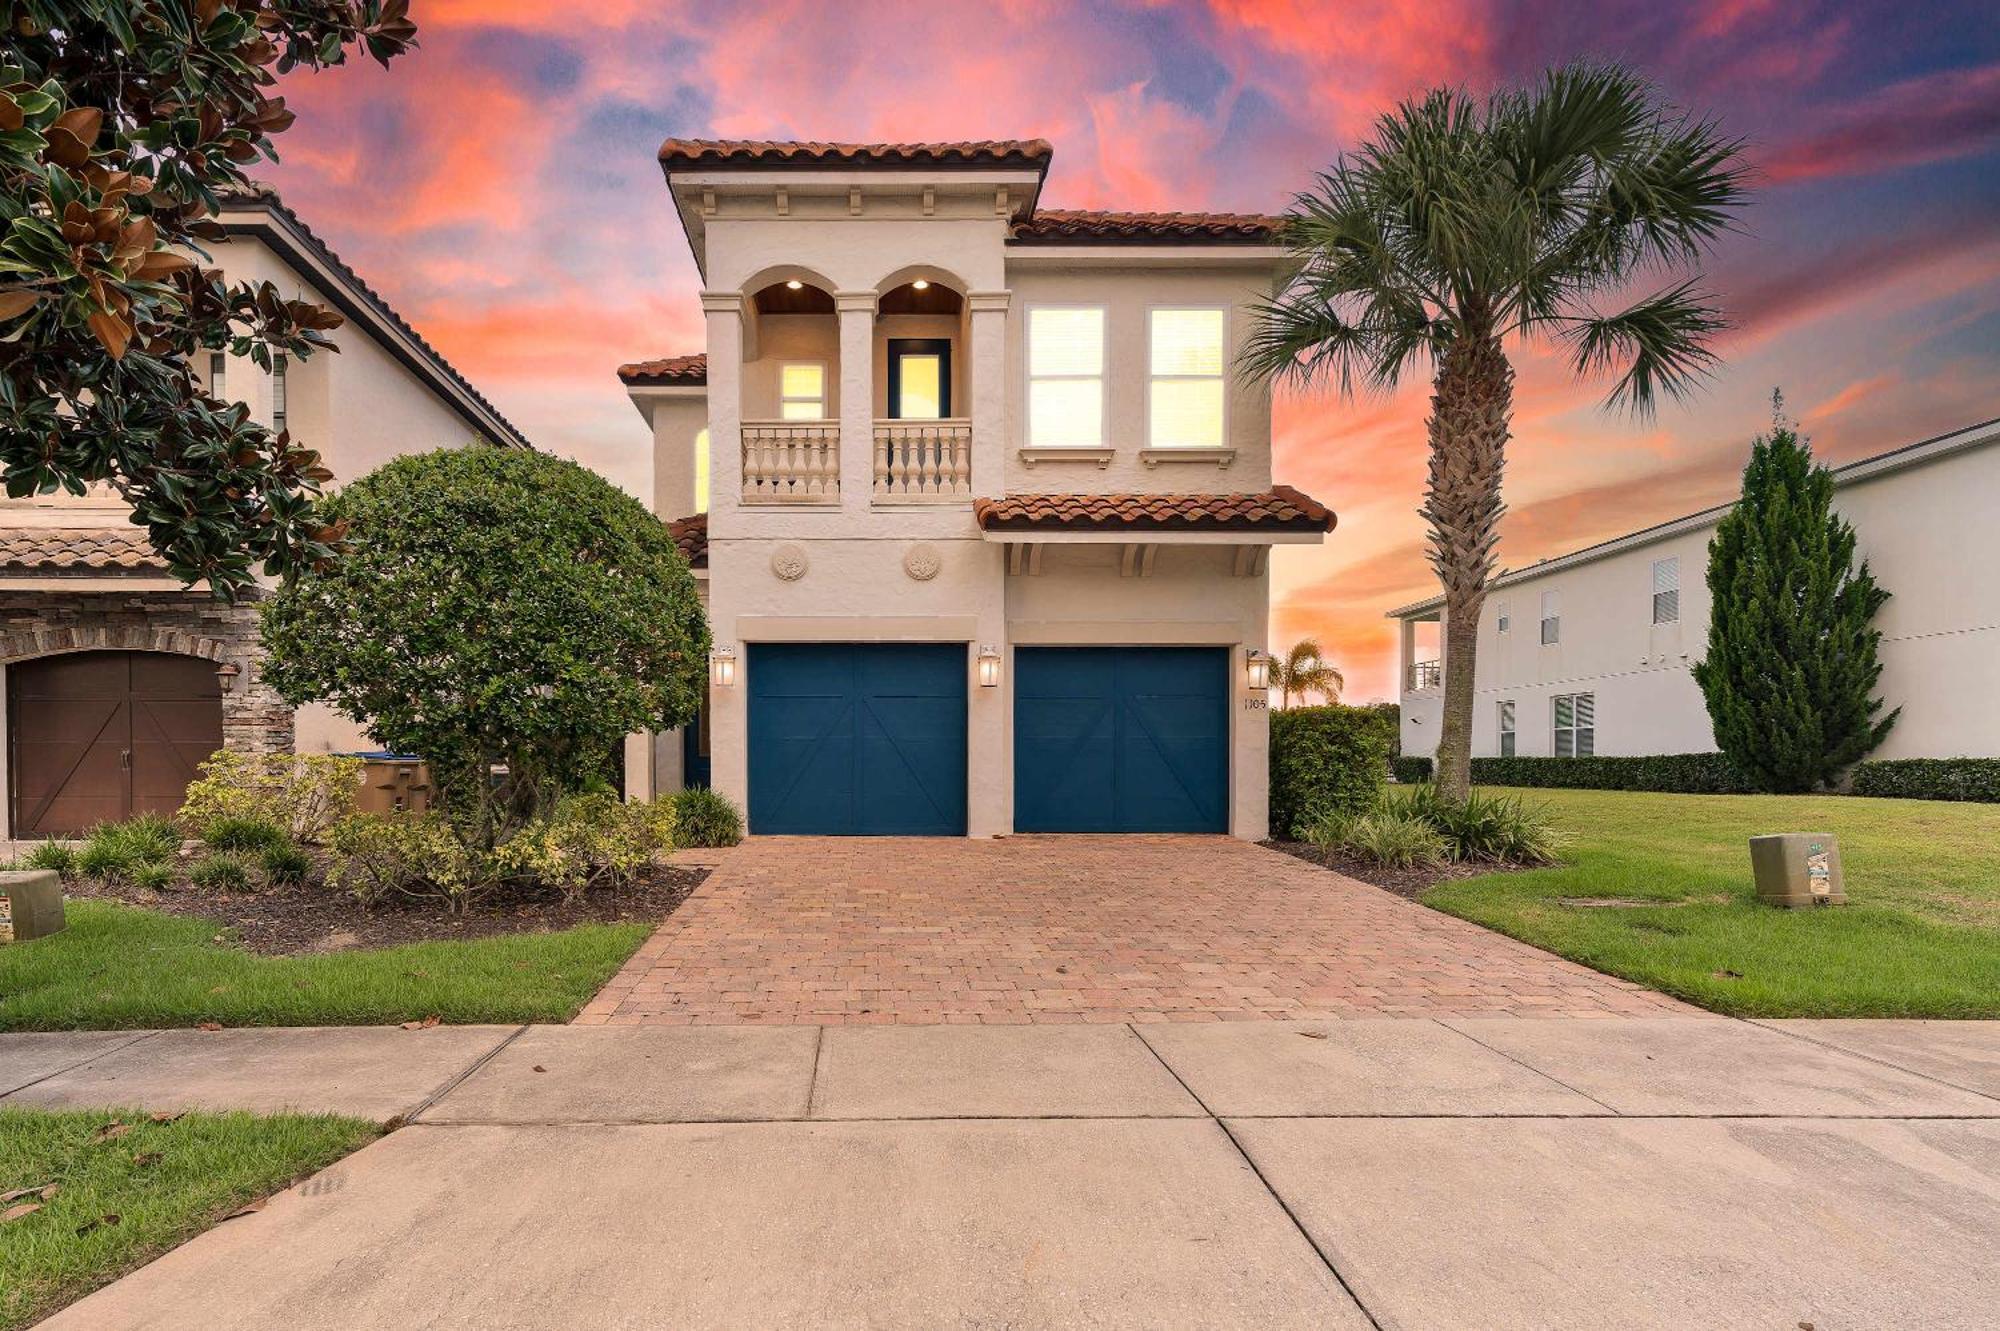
x: 83, y: 121
x: 112, y: 331
x: 11, y: 115
x: 15, y: 303
x: 21, y: 1212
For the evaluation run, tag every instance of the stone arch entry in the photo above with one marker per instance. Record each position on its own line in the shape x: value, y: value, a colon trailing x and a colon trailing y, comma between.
x: 100, y: 734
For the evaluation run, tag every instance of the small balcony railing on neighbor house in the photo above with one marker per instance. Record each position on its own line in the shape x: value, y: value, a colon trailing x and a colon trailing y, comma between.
x: 1426, y: 675
x: 920, y: 461
x: 791, y: 462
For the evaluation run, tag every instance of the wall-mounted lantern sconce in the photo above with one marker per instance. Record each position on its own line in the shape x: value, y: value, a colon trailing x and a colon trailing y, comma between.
x: 225, y: 675
x: 1257, y: 666
x: 989, y: 667
x: 722, y: 668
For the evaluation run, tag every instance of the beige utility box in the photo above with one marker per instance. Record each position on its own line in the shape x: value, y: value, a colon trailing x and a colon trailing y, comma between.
x: 1798, y: 869
x: 31, y: 905
x: 393, y: 785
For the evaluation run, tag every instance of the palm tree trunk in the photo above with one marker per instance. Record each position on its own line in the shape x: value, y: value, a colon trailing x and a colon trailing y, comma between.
x: 1472, y: 405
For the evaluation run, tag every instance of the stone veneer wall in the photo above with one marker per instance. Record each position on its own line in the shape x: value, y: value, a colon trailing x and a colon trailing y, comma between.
x: 38, y: 623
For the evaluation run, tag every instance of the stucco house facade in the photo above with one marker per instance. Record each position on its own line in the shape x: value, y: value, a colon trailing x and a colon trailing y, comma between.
x: 1591, y: 652
x: 116, y: 679
x: 982, y: 510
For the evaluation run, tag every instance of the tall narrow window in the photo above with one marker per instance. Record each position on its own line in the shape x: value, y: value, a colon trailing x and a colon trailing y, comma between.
x: 701, y: 470
x: 1507, y: 729
x: 280, y: 409
x: 802, y: 391
x: 1185, y: 406
x: 1575, y: 725
x: 218, y: 375
x: 1667, y: 591
x: 1552, y: 624
x: 1501, y: 620
x: 1066, y: 378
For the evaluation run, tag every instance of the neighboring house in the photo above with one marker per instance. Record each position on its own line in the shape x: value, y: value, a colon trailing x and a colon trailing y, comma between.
x: 982, y: 509
x: 117, y: 679
x: 1592, y: 652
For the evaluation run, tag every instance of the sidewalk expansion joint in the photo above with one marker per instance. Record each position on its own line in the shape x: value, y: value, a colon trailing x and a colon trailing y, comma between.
x: 453, y: 1083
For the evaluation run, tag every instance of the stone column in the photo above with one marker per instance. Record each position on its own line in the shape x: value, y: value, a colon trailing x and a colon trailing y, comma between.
x: 857, y: 398
x: 729, y: 716
x: 989, y: 391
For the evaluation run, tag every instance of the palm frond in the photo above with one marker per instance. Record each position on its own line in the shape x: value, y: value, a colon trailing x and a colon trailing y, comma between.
x: 1661, y: 341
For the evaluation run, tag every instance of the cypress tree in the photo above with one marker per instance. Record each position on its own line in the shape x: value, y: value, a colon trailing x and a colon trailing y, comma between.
x: 1792, y: 655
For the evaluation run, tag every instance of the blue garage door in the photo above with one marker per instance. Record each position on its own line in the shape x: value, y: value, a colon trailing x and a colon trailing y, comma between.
x: 852, y: 739
x: 1121, y: 739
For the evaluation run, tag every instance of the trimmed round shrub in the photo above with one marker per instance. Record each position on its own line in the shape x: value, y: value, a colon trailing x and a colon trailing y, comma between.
x: 705, y: 818
x: 220, y: 873
x: 1325, y: 760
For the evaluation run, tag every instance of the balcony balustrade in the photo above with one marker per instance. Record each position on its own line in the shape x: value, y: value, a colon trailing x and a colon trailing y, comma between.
x: 923, y: 461
x: 1426, y: 675
x: 791, y: 462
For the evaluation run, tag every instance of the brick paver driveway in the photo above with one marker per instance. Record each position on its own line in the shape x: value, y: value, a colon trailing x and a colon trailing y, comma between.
x: 1071, y: 929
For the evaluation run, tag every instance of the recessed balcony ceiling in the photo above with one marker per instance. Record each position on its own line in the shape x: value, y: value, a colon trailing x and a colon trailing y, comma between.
x: 786, y: 298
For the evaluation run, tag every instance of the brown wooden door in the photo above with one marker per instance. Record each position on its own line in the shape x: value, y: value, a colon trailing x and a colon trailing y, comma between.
x: 99, y: 736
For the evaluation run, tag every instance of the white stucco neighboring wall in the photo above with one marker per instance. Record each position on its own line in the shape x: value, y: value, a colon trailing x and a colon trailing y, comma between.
x: 1923, y: 520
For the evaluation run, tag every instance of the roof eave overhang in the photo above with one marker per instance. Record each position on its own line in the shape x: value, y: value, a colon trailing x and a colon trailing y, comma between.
x: 1108, y: 254
x: 303, y: 252
x: 1151, y: 536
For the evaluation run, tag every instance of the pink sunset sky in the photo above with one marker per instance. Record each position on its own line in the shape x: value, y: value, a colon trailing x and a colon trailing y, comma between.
x: 499, y: 187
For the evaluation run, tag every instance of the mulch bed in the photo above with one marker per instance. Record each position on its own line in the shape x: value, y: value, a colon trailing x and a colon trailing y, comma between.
x: 1411, y: 883
x: 288, y: 921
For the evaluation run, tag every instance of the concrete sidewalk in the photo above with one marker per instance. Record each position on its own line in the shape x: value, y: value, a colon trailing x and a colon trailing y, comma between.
x: 1387, y: 1173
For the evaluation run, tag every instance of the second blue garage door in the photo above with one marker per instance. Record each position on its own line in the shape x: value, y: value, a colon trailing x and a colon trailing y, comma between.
x: 1121, y: 739
x: 857, y: 739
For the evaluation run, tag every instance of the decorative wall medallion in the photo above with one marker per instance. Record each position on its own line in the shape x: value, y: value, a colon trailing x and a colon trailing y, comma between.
x: 789, y: 562
x: 922, y: 562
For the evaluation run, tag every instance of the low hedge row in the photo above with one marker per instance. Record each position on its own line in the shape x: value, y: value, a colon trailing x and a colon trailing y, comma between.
x: 1323, y: 759
x: 1930, y: 779
x: 1675, y: 773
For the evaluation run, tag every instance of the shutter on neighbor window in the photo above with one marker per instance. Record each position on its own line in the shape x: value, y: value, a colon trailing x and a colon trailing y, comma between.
x: 1666, y: 590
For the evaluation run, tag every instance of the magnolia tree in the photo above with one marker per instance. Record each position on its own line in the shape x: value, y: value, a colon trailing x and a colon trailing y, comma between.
x: 495, y: 609
x: 122, y: 122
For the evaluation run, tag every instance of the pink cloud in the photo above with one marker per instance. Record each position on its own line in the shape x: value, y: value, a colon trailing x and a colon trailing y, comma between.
x: 1943, y: 115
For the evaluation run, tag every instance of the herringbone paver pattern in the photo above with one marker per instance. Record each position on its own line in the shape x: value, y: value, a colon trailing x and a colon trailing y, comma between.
x: 1072, y: 929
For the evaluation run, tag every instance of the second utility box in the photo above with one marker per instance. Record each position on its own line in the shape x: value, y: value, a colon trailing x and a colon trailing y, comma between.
x: 31, y: 905
x: 393, y: 783
x: 1798, y: 869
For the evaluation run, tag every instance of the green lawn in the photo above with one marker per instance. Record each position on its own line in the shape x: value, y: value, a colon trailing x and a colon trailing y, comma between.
x: 119, y: 966
x: 1921, y: 937
x: 124, y: 1196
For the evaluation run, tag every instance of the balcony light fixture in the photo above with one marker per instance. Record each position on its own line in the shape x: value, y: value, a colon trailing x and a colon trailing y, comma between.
x: 794, y: 285
x: 921, y: 284
x: 989, y: 666
x: 722, y: 668
x: 1257, y: 665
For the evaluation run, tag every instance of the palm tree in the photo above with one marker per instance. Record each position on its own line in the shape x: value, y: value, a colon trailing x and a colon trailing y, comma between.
x: 1304, y: 672
x: 1463, y: 225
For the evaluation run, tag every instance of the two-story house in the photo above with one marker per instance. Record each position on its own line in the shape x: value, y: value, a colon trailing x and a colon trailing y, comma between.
x: 117, y: 679
x: 982, y: 506
x: 1592, y: 652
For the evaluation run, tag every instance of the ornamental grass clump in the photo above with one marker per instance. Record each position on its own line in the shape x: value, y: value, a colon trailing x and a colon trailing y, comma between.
x: 704, y: 818
x: 1483, y: 828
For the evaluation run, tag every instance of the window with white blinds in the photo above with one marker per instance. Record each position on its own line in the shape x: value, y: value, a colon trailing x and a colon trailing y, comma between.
x: 1501, y: 620
x: 1552, y: 624
x: 1667, y: 590
x: 1575, y: 725
x: 1507, y: 729
x: 218, y: 375
x: 281, y: 406
x: 1065, y: 377
x: 1186, y: 394
x: 802, y: 391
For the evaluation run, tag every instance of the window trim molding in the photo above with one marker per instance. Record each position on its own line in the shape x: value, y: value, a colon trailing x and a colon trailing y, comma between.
x: 1028, y: 375
x: 1221, y: 377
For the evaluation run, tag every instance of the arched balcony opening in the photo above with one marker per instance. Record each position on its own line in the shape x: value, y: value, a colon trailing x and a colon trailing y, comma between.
x: 791, y: 392
x: 923, y: 391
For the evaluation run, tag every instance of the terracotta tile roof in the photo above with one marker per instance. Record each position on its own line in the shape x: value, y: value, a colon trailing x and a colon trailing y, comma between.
x: 670, y: 371
x: 766, y: 154
x: 287, y: 233
x: 77, y: 550
x: 691, y: 535
x: 1281, y: 508
x: 1068, y: 226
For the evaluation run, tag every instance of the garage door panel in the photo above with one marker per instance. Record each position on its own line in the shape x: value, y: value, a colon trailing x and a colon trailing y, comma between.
x: 857, y: 739
x: 1121, y: 740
